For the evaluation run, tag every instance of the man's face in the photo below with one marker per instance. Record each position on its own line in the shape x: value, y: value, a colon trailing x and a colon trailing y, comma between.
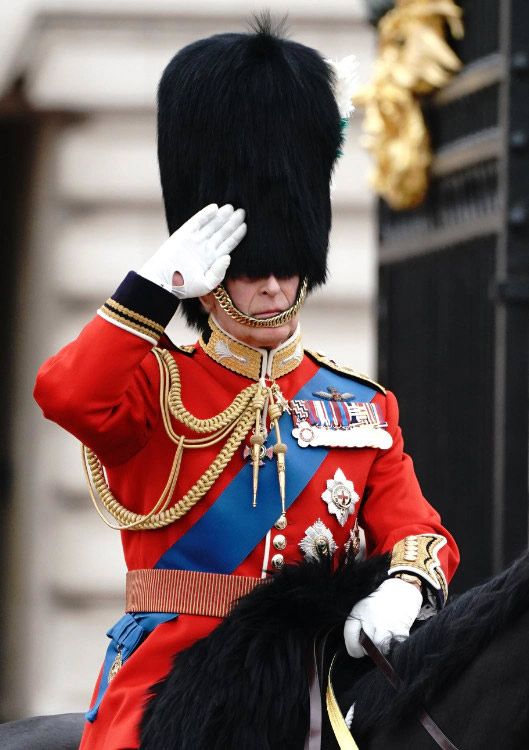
x: 260, y: 298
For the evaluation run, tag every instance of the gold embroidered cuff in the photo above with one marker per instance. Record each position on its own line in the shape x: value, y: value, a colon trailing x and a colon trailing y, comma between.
x: 418, y: 554
x: 130, y: 320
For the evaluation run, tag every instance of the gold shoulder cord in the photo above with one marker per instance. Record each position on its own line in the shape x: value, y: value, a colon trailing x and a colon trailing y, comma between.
x: 236, y: 419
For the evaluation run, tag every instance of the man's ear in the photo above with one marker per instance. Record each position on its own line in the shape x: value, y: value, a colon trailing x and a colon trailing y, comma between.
x: 207, y: 302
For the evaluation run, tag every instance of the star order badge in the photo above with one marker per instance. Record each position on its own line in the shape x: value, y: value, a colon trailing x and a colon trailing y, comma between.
x: 318, y: 542
x: 340, y: 496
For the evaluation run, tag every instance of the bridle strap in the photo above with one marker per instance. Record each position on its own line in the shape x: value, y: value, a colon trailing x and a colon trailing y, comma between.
x: 438, y: 736
x: 343, y: 736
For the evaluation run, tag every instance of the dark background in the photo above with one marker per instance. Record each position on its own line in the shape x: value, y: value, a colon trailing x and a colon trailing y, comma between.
x: 454, y: 294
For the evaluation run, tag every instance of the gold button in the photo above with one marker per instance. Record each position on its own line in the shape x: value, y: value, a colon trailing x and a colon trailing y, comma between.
x: 281, y: 523
x: 278, y: 561
x: 279, y: 541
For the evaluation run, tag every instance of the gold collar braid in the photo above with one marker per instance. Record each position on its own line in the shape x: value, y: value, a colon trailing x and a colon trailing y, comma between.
x: 249, y: 361
x: 225, y: 301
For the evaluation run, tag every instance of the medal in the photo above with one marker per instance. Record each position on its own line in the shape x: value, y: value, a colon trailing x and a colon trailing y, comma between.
x: 340, y: 497
x: 352, y: 546
x: 333, y: 394
x: 356, y: 437
x: 339, y: 424
x: 305, y: 434
x: 264, y: 452
x: 318, y: 542
x: 115, y: 666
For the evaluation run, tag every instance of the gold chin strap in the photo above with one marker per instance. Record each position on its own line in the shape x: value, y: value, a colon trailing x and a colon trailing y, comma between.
x: 227, y: 304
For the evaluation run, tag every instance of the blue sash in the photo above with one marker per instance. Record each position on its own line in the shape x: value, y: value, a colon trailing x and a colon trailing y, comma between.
x: 125, y: 637
x: 226, y: 534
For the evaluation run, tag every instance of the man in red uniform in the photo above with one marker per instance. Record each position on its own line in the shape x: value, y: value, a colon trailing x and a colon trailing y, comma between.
x: 227, y: 459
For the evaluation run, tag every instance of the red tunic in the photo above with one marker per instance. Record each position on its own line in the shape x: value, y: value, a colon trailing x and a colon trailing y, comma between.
x: 104, y: 389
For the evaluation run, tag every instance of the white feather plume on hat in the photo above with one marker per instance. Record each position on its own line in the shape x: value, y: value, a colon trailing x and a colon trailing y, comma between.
x: 346, y: 78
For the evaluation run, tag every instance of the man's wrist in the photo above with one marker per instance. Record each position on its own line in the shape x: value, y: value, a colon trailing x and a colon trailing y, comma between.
x: 409, y: 578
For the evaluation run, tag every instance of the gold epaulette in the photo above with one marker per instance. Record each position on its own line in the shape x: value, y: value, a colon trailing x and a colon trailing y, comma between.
x: 330, y: 364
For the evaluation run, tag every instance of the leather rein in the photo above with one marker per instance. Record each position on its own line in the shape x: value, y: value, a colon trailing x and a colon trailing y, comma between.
x: 438, y: 736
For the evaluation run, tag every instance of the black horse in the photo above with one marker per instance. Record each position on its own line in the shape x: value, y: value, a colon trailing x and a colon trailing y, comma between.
x: 469, y: 666
x: 247, y: 684
x: 484, y: 705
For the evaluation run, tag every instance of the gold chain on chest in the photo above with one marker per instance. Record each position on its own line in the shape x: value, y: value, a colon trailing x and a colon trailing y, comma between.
x: 232, y: 424
x: 237, y: 419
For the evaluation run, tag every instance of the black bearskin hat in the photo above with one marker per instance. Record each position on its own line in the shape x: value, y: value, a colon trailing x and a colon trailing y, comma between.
x: 251, y: 119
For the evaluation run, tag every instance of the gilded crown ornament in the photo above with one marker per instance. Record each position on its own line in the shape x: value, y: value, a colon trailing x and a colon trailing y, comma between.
x: 413, y: 60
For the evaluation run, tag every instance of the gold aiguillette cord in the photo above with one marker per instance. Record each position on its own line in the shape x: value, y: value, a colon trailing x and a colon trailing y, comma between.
x: 257, y: 439
x: 275, y: 410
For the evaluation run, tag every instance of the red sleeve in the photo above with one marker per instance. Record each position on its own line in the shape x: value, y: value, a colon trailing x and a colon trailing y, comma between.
x: 98, y: 389
x: 394, y: 506
x: 103, y: 387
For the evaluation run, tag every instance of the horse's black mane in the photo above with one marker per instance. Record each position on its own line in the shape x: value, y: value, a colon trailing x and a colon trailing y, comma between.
x: 438, y: 651
x: 246, y: 684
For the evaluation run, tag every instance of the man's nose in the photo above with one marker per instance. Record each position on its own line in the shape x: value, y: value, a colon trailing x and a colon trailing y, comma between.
x: 271, y: 286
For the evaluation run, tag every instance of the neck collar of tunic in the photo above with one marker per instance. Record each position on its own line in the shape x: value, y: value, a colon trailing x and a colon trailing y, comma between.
x: 249, y: 361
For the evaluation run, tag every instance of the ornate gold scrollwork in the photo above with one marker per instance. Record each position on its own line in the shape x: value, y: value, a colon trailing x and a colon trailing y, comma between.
x: 413, y: 60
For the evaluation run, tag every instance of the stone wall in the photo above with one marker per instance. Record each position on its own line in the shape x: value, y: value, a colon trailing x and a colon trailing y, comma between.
x: 96, y: 212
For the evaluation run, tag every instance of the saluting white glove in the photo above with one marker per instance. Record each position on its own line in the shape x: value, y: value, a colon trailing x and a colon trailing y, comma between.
x: 199, y: 250
x: 388, y: 613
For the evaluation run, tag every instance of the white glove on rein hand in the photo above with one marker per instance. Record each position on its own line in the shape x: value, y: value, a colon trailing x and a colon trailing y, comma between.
x: 199, y: 250
x: 388, y: 613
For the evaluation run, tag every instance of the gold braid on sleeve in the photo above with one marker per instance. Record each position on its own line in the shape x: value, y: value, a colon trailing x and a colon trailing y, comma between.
x: 418, y: 554
x: 232, y: 424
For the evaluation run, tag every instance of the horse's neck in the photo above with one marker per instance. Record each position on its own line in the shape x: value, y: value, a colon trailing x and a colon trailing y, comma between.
x: 489, y: 700
x: 484, y: 707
